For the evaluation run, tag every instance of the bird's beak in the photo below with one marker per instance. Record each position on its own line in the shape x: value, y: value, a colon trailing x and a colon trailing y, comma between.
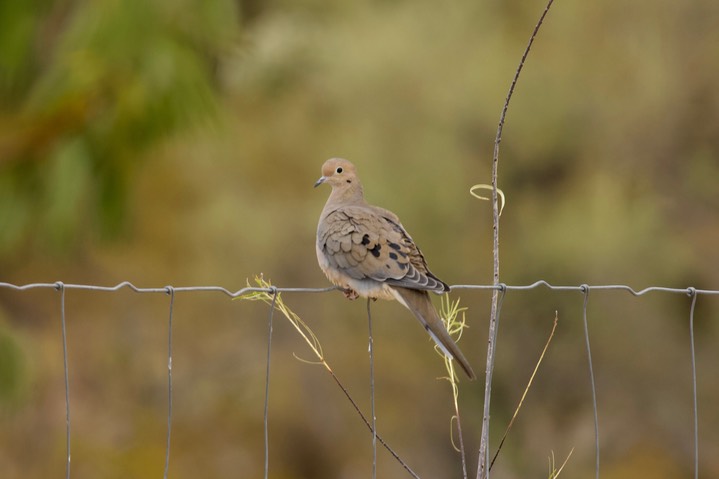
x: 320, y: 181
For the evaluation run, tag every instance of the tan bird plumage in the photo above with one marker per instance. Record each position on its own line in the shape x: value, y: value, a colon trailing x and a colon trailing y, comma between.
x: 366, y: 251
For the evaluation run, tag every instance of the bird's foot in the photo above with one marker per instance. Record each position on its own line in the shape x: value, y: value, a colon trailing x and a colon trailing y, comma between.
x: 350, y: 294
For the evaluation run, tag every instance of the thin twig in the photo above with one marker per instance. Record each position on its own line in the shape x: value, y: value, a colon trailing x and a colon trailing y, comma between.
x: 263, y: 294
x: 462, y: 450
x: 369, y: 425
x: 526, y: 390
x: 482, y: 470
x: 553, y: 471
x: 484, y: 446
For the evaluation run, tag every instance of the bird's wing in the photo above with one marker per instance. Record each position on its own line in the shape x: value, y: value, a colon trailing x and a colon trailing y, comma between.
x: 366, y: 242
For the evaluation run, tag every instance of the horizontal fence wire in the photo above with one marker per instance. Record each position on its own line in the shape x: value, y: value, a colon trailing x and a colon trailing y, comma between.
x: 62, y: 288
x: 59, y: 285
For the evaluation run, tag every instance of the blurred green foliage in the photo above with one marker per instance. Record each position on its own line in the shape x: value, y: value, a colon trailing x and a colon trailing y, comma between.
x: 86, y: 88
x: 176, y: 142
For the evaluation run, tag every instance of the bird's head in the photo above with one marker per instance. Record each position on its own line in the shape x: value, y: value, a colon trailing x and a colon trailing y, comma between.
x: 338, y: 173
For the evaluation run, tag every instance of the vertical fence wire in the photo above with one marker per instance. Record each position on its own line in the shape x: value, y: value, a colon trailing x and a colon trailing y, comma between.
x: 585, y: 288
x: 171, y: 292
x: 371, y: 389
x: 267, y: 380
x: 60, y: 286
x: 693, y: 294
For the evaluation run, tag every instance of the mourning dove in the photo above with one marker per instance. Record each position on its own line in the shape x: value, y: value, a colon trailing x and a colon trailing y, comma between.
x: 366, y: 251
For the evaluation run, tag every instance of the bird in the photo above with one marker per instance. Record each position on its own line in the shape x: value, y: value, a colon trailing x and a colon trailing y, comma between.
x: 366, y: 252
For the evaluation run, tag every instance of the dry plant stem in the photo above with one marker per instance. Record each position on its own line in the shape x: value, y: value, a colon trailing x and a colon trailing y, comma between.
x: 553, y: 472
x: 482, y: 470
x: 455, y: 394
x: 271, y: 295
x: 449, y: 313
x: 526, y: 390
x: 462, y: 451
x: 484, y: 451
x: 455, y: 397
x: 368, y: 424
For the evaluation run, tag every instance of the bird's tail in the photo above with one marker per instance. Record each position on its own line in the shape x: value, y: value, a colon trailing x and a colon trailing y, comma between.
x: 419, y: 303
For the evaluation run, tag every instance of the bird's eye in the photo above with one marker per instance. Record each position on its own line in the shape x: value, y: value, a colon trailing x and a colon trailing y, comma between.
x: 339, y: 169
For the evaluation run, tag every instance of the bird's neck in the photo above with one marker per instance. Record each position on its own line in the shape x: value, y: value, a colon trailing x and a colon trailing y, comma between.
x: 351, y: 194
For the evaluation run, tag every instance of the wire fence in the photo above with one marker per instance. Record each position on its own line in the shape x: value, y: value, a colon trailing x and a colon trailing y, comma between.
x: 274, y: 291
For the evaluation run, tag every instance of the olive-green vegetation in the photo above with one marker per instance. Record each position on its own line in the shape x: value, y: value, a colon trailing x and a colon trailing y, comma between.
x: 176, y: 142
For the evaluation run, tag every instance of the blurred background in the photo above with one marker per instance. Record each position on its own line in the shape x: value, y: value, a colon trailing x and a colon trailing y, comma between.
x: 177, y: 141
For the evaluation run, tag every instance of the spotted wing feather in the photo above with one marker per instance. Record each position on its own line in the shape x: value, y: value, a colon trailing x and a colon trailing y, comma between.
x: 370, y: 243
